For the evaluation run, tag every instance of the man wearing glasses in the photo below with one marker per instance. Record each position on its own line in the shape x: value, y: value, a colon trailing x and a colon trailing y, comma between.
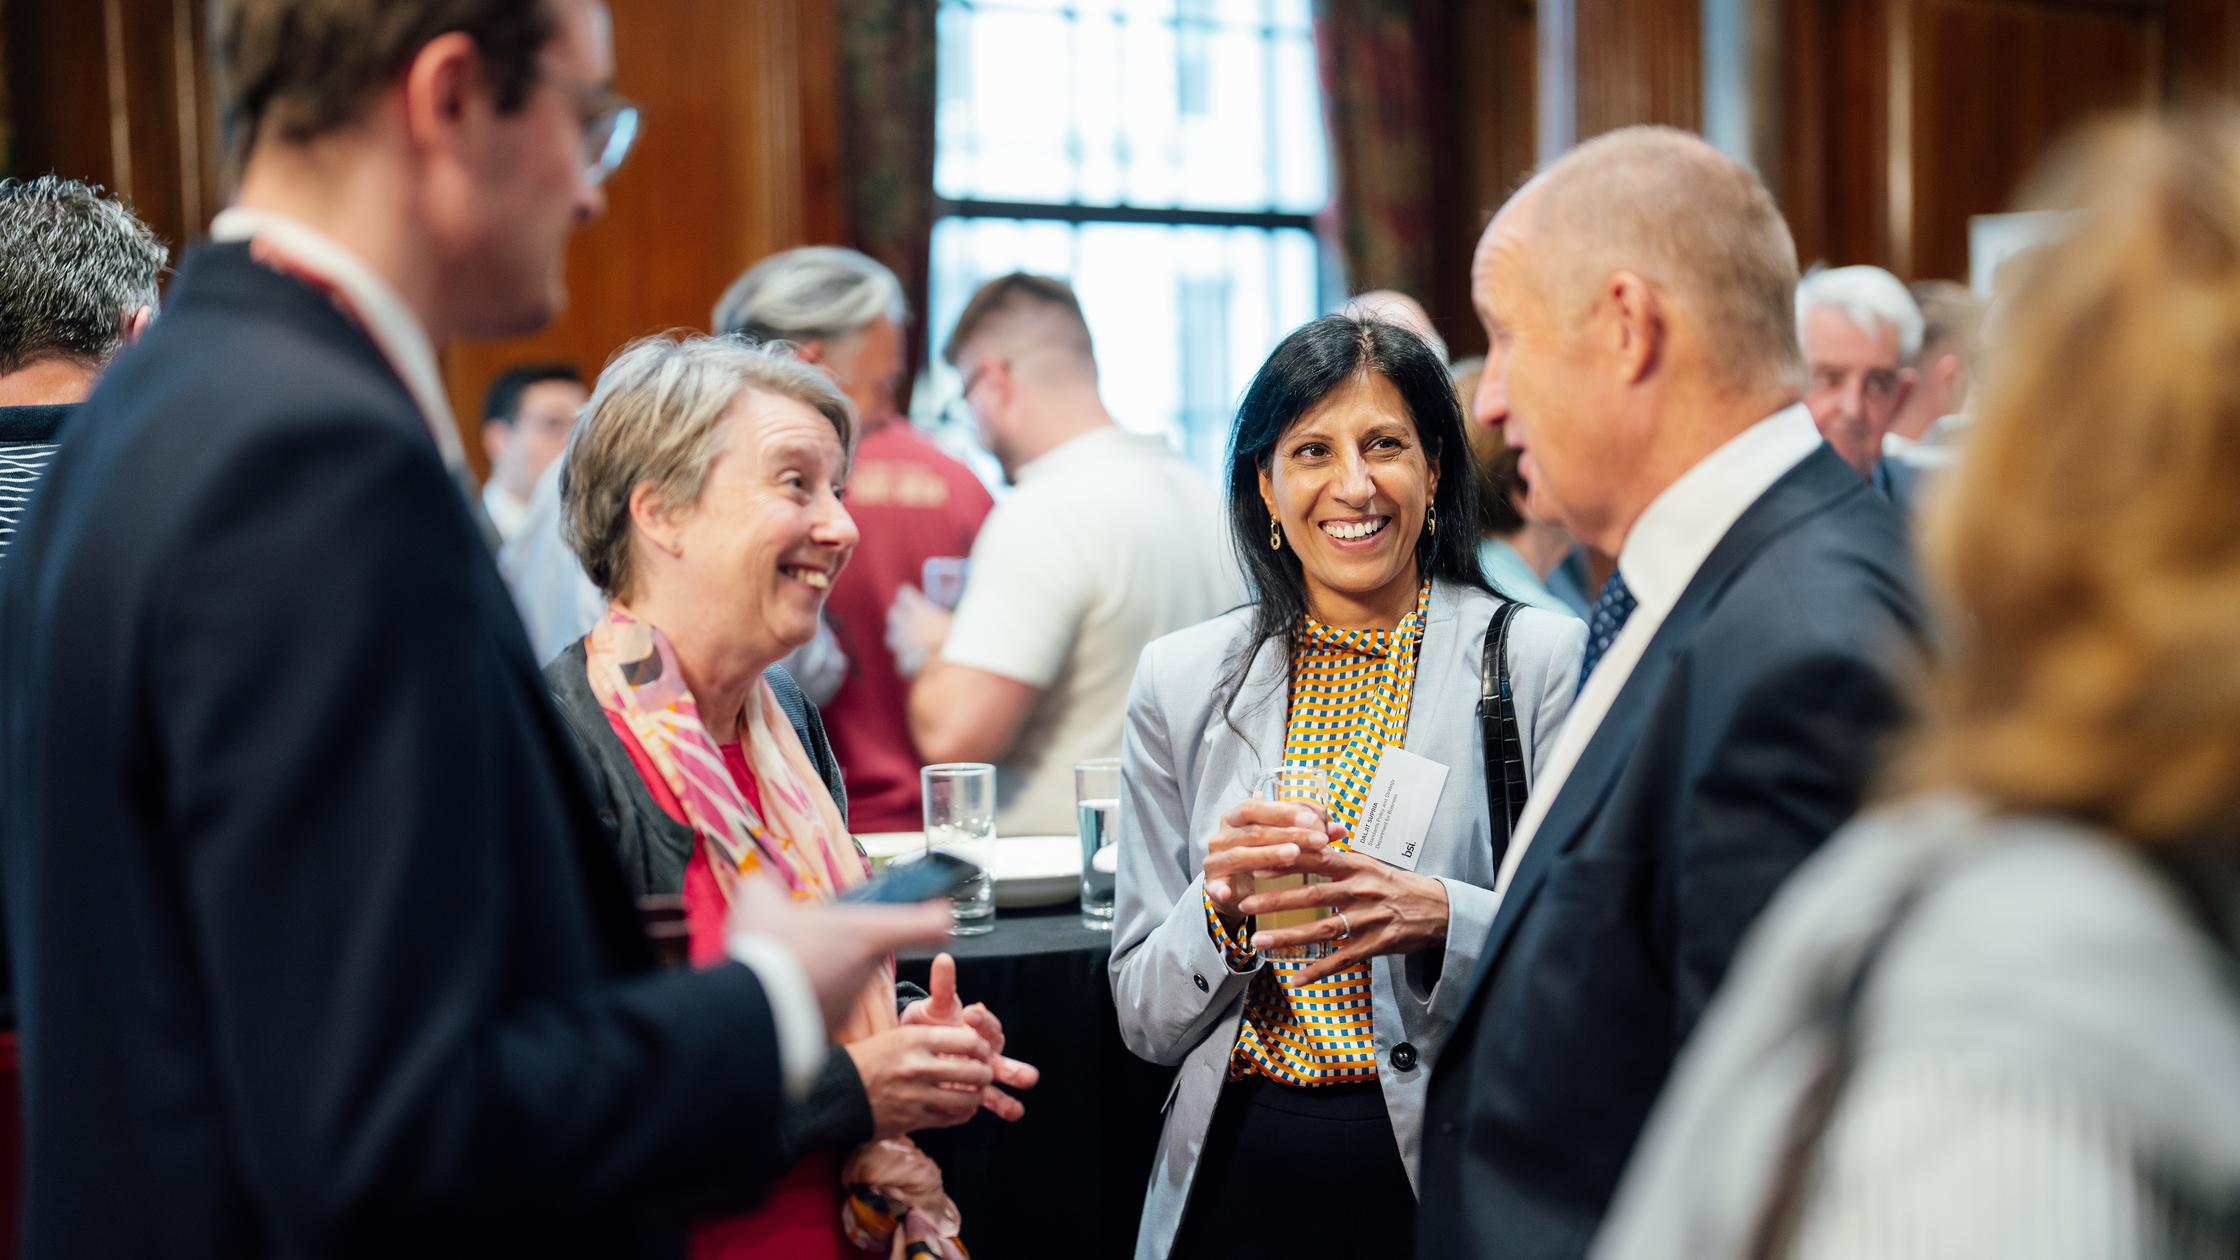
x: 1859, y: 329
x: 318, y: 947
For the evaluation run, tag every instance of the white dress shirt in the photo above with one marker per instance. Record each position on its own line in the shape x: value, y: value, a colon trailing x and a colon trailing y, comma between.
x: 506, y: 512
x: 375, y: 304
x: 1660, y: 556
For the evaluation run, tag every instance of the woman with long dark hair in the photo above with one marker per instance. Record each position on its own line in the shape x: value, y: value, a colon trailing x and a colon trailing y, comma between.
x: 1305, y: 1046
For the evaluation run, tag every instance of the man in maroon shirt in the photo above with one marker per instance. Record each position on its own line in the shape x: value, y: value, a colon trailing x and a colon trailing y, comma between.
x: 911, y: 502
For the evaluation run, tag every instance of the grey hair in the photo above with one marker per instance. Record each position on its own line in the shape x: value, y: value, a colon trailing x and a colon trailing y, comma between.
x: 656, y: 418
x: 74, y: 266
x: 1871, y: 298
x: 816, y: 293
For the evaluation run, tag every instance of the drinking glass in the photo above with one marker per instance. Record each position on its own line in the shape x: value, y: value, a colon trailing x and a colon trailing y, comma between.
x: 960, y: 816
x: 1096, y: 803
x: 1308, y: 786
x: 942, y: 580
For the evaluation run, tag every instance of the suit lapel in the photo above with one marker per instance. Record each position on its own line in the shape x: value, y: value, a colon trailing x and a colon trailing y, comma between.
x: 1818, y: 483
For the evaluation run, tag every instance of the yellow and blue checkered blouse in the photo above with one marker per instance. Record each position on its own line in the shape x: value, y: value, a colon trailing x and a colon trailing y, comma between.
x: 1350, y: 693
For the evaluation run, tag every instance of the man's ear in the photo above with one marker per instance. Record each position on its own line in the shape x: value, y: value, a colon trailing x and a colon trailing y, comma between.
x: 495, y: 438
x: 440, y: 86
x: 1909, y: 380
x: 1637, y: 329
x: 137, y: 323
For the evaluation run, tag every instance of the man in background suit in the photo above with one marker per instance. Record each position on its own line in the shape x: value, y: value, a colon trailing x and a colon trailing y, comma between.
x: 1644, y: 361
x: 1860, y: 333
x: 319, y: 949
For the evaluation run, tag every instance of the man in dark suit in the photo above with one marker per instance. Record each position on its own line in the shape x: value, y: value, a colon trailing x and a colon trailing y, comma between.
x: 319, y: 949
x: 1739, y: 666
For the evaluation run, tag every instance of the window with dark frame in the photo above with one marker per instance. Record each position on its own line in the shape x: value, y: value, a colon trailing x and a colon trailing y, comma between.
x: 1167, y: 157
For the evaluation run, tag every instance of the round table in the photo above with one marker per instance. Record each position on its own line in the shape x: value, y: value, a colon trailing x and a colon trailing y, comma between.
x: 1068, y: 1178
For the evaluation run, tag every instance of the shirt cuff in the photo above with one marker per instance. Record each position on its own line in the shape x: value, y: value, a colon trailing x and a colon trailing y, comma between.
x: 1239, y: 956
x: 793, y: 1007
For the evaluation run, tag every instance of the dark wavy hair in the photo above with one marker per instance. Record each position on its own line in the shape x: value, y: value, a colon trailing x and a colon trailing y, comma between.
x: 1309, y: 366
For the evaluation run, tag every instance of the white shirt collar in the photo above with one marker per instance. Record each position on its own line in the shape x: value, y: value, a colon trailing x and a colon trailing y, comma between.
x: 1678, y: 529
x: 375, y: 302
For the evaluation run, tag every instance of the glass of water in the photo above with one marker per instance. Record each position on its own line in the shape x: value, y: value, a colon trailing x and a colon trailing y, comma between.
x: 1308, y: 786
x: 960, y: 799
x: 1096, y: 802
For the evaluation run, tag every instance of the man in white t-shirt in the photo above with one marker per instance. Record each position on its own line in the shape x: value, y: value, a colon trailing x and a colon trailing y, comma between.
x: 1109, y: 541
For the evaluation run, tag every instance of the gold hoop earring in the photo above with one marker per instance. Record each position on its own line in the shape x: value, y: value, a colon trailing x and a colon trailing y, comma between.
x: 1431, y: 518
x: 1275, y: 534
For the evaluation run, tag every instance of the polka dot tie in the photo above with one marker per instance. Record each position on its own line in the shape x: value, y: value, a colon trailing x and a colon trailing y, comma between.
x: 1604, y: 621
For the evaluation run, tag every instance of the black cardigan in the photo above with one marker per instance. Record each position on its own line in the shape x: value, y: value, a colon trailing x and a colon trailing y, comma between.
x: 654, y: 848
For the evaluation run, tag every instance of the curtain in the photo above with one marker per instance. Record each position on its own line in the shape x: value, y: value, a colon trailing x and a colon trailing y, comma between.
x: 1376, y: 93
x: 887, y: 84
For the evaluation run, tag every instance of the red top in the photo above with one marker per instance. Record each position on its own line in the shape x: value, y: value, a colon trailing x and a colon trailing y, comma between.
x: 911, y: 504
x: 801, y: 1218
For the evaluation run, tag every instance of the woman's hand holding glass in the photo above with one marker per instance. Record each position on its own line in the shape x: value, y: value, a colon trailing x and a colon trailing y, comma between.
x: 942, y: 1009
x: 1380, y: 910
x: 1260, y: 838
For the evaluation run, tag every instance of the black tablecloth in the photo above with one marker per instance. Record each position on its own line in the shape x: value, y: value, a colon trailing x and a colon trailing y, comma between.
x: 1069, y: 1177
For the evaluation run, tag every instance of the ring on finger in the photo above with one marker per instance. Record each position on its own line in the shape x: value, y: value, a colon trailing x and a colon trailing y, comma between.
x: 1345, y: 925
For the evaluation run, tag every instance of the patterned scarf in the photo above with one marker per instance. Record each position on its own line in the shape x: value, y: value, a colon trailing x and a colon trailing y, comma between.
x: 897, y: 1203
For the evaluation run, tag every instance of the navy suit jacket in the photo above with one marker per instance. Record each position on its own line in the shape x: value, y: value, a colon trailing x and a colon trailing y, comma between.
x: 1745, y: 735
x: 318, y: 946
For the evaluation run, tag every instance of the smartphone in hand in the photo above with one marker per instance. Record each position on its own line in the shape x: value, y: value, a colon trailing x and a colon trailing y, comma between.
x: 922, y: 879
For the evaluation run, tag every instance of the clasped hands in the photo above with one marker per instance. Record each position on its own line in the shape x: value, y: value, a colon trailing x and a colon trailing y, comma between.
x: 944, y: 1063
x: 1384, y: 910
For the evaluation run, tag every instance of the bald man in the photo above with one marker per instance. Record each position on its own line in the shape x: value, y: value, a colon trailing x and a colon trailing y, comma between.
x: 1637, y: 299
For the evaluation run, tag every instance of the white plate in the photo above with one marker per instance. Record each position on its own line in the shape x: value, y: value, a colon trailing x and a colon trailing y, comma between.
x: 884, y: 846
x: 1028, y: 870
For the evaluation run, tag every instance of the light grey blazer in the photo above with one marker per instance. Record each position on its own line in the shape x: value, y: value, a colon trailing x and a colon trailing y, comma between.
x: 2048, y: 1057
x: 1182, y: 766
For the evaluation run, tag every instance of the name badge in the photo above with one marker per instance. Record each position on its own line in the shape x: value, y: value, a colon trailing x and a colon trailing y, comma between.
x: 1396, y: 817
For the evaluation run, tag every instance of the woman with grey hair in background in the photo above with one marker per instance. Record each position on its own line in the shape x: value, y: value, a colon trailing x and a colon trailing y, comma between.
x: 703, y: 498
x: 913, y: 504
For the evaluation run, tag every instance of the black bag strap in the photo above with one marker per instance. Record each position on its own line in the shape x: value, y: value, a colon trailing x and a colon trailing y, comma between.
x: 1499, y: 733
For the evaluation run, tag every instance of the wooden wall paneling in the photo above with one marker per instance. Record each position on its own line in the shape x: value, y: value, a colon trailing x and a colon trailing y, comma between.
x: 1606, y: 64
x: 1491, y: 51
x: 738, y: 159
x: 1834, y: 111
x: 114, y: 91
x: 1994, y: 85
x: 2203, y: 50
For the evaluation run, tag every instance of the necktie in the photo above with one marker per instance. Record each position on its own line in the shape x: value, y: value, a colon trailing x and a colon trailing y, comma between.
x: 1604, y: 621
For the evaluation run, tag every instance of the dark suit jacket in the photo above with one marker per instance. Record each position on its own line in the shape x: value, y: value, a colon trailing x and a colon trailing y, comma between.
x: 318, y: 946
x: 1742, y: 739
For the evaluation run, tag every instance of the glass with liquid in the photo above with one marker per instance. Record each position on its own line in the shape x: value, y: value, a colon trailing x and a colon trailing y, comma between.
x: 1096, y: 804
x: 960, y: 813
x: 1308, y: 786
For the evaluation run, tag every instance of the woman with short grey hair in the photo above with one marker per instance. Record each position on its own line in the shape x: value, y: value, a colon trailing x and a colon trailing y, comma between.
x: 846, y: 313
x: 702, y: 495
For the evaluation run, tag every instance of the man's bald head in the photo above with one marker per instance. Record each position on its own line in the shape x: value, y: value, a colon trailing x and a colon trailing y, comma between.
x: 1697, y: 225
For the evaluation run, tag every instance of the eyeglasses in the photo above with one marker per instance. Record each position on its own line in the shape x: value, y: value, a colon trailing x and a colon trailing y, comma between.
x: 609, y: 119
x: 958, y: 410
